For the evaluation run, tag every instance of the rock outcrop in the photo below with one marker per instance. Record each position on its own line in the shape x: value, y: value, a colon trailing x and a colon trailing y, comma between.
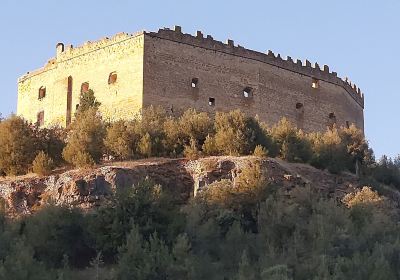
x: 90, y: 188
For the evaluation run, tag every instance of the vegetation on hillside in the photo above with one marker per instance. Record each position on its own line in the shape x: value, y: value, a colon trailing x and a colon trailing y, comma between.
x: 247, y: 229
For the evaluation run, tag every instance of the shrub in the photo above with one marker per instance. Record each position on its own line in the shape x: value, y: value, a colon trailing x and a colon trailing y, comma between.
x: 52, y: 142
x: 145, y: 146
x: 232, y: 134
x: 18, y: 145
x: 191, y: 151
x: 54, y: 232
x: 292, y: 143
x: 122, y: 138
x: 152, y: 123
x: 329, y: 151
x: 209, y: 146
x: 85, y: 140
x: 260, y: 151
x: 43, y: 164
x: 194, y: 125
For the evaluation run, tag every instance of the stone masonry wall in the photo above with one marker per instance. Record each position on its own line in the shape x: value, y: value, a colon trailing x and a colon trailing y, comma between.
x: 158, y: 68
x: 92, y: 63
x: 279, y: 88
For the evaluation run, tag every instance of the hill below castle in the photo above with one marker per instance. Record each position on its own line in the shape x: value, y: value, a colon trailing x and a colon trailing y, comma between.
x: 87, y: 189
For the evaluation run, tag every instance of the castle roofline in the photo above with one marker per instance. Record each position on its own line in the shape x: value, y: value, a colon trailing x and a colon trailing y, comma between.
x: 208, y: 42
x: 305, y: 68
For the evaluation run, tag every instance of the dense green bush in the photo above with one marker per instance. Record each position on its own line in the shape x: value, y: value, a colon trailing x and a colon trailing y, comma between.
x: 85, y: 139
x: 18, y: 145
x: 55, y: 232
x: 292, y: 143
x: 43, y: 164
x: 122, y: 138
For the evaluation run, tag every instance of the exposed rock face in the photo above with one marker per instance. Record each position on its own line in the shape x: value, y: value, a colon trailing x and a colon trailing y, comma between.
x: 89, y: 188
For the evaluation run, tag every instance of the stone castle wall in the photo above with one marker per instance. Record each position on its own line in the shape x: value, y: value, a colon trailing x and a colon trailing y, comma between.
x: 91, y: 63
x: 279, y: 88
x: 158, y: 68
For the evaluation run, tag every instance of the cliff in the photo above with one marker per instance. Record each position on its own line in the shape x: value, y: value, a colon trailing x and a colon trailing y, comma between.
x: 90, y: 188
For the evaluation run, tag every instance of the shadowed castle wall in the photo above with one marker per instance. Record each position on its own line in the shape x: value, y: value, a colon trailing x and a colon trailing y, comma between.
x: 91, y: 63
x: 173, y: 59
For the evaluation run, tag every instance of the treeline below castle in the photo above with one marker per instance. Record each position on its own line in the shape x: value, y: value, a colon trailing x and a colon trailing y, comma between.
x: 90, y: 140
x: 246, y: 229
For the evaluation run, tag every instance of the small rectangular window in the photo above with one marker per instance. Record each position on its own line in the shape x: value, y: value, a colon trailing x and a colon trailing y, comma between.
x: 315, y: 83
x: 42, y: 92
x: 40, y: 118
x: 195, y: 81
x: 247, y: 92
x: 211, y: 101
x: 85, y: 87
x: 112, y: 78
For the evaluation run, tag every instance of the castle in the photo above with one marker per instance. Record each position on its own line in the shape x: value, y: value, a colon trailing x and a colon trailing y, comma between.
x: 178, y: 71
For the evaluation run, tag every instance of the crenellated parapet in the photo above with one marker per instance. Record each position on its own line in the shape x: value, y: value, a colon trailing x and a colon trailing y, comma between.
x: 306, y: 68
x: 68, y: 52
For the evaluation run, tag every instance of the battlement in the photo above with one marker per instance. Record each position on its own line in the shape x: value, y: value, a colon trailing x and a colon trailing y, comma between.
x: 304, y: 68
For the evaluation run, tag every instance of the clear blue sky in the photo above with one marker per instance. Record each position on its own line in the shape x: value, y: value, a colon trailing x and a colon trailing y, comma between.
x: 359, y: 39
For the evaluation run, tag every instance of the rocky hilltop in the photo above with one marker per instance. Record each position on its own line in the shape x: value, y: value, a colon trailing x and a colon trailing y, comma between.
x: 90, y: 188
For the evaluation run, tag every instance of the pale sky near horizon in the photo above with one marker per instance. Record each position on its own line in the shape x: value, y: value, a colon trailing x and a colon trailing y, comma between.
x: 358, y: 39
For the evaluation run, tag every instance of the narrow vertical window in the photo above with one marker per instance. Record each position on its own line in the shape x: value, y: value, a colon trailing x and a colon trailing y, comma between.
x: 331, y: 120
x: 299, y: 115
x: 112, y: 78
x: 315, y: 83
x: 69, y: 101
x: 211, y: 101
x: 247, y: 92
x: 195, y: 82
x: 85, y: 87
x: 40, y: 118
x: 42, y: 93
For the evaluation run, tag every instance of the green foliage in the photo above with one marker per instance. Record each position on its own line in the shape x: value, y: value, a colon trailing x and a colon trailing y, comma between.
x: 122, y: 139
x: 191, y: 151
x: 55, y: 232
x: 293, y: 145
x: 52, y: 142
x: 330, y: 152
x: 18, y: 146
x: 21, y: 265
x: 85, y: 139
x: 386, y: 171
x: 145, y: 146
x: 87, y: 100
x: 233, y: 135
x: 260, y: 151
x: 150, y: 207
x: 246, y: 271
x: 43, y: 164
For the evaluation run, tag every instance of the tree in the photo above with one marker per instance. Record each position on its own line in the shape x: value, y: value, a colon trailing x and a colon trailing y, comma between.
x: 122, y: 138
x: 87, y: 100
x: 292, y: 143
x: 21, y: 265
x: 85, y: 140
x: 246, y: 270
x: 18, y: 145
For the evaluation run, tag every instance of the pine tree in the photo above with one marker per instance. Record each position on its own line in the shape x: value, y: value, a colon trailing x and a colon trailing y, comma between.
x: 246, y: 270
